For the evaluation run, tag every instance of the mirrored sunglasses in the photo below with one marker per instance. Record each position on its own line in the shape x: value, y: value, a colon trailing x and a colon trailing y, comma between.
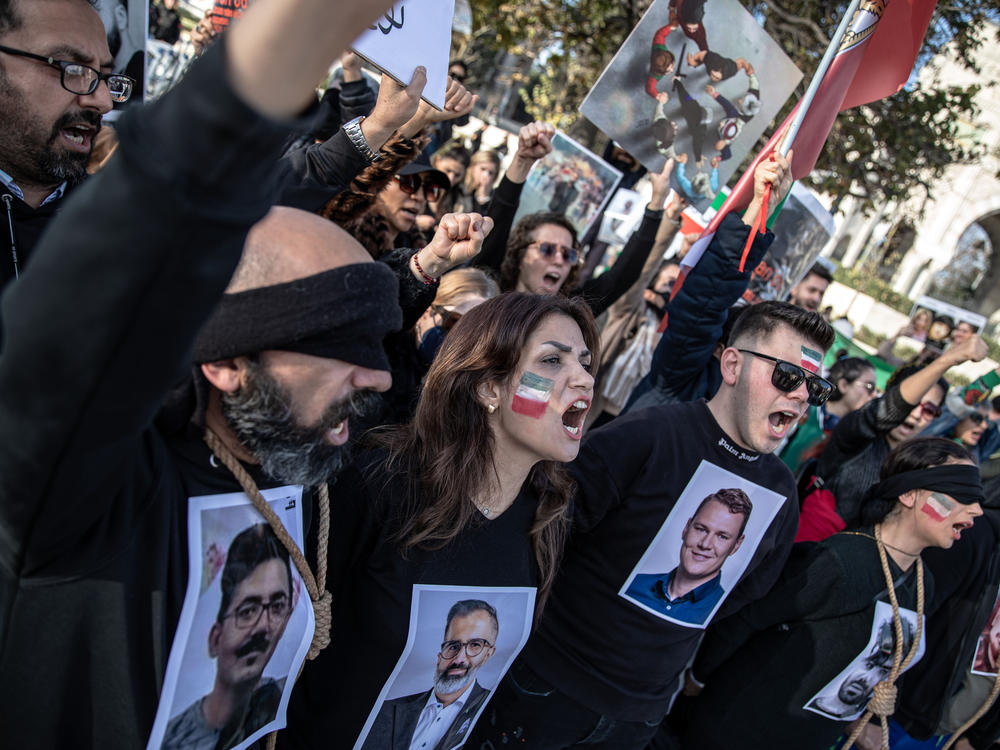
x: 549, y: 249
x: 786, y: 377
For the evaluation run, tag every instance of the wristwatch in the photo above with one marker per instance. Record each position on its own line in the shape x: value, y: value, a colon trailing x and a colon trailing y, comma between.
x: 354, y: 134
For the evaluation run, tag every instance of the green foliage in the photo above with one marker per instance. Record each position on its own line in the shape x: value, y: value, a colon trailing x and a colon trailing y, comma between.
x: 874, y: 287
x: 880, y: 152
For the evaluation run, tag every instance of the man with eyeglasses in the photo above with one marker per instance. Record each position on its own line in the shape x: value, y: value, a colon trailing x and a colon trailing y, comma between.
x: 257, y: 601
x: 55, y: 85
x: 439, y: 718
x: 601, y: 667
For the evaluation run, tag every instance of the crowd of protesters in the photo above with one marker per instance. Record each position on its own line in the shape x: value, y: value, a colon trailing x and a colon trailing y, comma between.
x: 266, y: 294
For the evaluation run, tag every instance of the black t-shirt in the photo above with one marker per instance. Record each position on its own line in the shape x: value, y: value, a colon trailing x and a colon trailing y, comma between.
x: 818, y: 639
x: 601, y: 647
x: 373, y: 586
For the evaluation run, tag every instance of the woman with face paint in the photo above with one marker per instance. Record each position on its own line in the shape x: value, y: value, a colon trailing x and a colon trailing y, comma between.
x: 785, y: 669
x: 471, y: 494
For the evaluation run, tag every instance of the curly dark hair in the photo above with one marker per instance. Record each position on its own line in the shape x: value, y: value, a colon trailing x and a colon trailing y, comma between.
x: 352, y: 208
x: 522, y: 235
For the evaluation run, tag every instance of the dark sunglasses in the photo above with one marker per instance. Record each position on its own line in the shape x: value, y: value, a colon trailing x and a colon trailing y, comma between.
x: 786, y: 377
x: 931, y: 409
x: 548, y: 250
x: 977, y: 417
x: 411, y: 183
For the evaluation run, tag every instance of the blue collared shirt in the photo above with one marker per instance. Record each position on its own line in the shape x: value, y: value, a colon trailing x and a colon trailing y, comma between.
x: 8, y: 182
x: 695, y: 606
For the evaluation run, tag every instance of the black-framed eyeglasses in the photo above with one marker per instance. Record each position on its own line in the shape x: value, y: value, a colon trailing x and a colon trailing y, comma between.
x: 248, y: 614
x: 81, y: 79
x: 411, y: 183
x: 786, y: 377
x: 473, y: 647
x: 549, y: 249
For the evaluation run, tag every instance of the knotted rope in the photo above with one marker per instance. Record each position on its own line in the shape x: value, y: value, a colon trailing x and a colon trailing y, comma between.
x: 883, y: 700
x: 321, y: 599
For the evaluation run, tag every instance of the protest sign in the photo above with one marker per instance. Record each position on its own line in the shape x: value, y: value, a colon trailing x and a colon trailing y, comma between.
x: 621, y: 217
x: 411, y: 34
x: 571, y: 181
x: 801, y: 230
x: 687, y: 83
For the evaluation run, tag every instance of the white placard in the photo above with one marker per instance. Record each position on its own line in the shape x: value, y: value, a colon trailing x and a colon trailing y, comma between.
x: 412, y: 33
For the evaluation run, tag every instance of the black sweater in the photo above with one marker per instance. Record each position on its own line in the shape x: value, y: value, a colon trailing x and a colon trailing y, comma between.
x: 93, y: 534
x: 597, y: 647
x: 762, y: 665
x: 372, y: 584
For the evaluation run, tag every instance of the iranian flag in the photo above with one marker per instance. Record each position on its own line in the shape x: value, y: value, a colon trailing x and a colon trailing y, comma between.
x: 532, y: 395
x: 876, y: 54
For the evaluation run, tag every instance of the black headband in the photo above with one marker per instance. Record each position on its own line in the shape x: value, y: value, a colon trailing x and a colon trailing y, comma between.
x: 339, y: 314
x: 961, y: 481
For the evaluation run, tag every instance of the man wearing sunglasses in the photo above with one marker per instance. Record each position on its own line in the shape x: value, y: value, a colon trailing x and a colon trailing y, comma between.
x: 601, y: 664
x: 54, y: 88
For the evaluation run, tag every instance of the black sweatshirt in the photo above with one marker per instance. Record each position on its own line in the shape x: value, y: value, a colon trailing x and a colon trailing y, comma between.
x: 762, y: 665
x: 965, y: 586
x: 593, y: 644
x: 93, y: 534
x: 599, y: 293
x: 851, y: 462
x: 372, y: 586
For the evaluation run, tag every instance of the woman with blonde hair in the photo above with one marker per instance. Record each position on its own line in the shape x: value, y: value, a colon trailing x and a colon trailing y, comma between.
x: 477, y: 188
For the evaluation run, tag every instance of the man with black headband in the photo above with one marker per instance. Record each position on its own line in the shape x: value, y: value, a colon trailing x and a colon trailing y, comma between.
x: 94, y: 499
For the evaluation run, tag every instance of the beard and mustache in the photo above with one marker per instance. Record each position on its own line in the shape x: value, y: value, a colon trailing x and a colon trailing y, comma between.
x: 20, y: 140
x: 260, y: 413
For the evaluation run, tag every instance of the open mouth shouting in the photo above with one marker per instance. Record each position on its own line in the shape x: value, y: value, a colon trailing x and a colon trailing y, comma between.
x: 958, y: 528
x: 78, y: 137
x: 551, y: 282
x: 572, y: 418
x: 778, y: 422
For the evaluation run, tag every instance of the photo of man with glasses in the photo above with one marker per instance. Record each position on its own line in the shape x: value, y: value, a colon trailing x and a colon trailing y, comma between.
x: 257, y: 601
x: 440, y: 718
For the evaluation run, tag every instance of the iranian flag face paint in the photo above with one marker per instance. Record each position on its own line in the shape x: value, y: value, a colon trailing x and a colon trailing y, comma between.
x: 938, y: 506
x: 532, y: 395
x: 811, y: 360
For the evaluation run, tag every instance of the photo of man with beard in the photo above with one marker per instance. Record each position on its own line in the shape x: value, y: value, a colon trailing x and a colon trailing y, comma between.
x: 257, y: 601
x: 440, y: 718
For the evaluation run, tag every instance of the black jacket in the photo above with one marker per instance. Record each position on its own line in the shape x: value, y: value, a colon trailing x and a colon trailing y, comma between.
x: 21, y: 227
x: 93, y: 533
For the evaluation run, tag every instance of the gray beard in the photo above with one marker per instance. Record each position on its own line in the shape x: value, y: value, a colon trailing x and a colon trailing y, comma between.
x: 260, y: 414
x: 444, y: 685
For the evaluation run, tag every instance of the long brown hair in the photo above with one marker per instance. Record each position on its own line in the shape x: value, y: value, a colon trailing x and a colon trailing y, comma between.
x: 521, y: 236
x: 449, y: 445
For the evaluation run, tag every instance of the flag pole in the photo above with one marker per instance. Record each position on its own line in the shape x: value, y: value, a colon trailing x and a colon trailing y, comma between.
x: 817, y: 79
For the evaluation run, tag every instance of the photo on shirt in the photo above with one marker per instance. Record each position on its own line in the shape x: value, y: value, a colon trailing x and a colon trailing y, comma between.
x: 703, y: 547
x: 846, y: 696
x: 245, y: 626
x: 461, y: 642
x: 987, y: 656
x: 570, y: 181
x: 695, y: 81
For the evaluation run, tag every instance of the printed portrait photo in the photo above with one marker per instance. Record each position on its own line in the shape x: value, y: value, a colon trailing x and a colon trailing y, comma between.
x: 696, y: 81
x: 801, y: 230
x: 987, y: 656
x: 622, y: 215
x: 461, y: 642
x: 846, y: 696
x: 703, y: 547
x: 571, y: 181
x: 244, y: 630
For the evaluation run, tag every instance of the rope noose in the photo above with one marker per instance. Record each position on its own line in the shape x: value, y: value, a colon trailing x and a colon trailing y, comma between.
x: 883, y: 700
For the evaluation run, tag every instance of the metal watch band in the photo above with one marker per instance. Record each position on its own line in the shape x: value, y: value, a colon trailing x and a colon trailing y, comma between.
x: 354, y: 134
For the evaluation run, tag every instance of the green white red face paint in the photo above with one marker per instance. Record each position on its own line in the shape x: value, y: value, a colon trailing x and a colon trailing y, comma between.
x: 811, y: 360
x: 938, y: 507
x: 532, y: 395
